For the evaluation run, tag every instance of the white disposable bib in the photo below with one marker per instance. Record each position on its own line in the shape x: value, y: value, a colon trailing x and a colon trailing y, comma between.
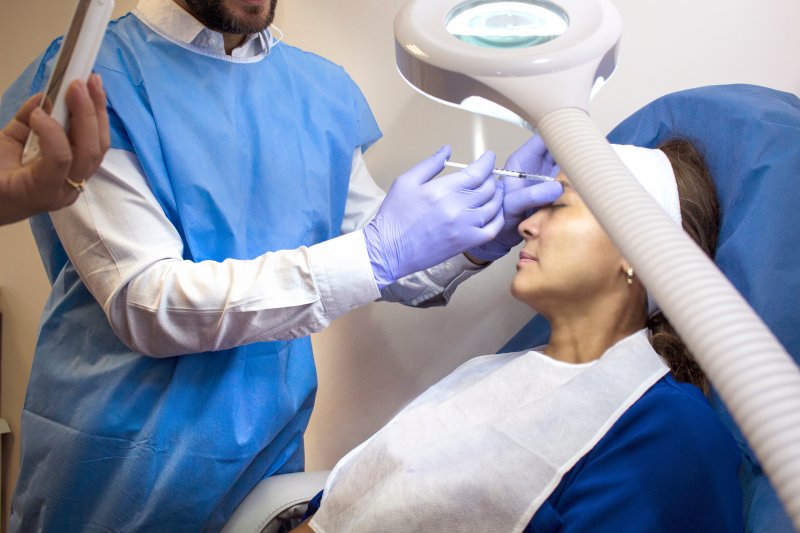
x: 484, y: 448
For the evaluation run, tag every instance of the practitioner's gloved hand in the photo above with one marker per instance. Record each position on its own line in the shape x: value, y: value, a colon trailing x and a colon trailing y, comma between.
x: 521, y: 196
x: 534, y: 158
x: 424, y: 221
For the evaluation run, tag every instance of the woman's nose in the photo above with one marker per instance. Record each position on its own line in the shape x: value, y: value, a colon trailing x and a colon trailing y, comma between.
x: 529, y: 228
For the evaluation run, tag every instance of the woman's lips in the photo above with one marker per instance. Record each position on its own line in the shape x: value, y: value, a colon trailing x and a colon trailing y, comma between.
x: 524, y: 258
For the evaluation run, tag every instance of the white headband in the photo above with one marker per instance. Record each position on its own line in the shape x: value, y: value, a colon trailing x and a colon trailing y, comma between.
x: 653, y: 170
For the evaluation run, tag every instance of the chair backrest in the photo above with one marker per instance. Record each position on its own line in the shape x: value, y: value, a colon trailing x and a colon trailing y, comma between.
x: 750, y: 138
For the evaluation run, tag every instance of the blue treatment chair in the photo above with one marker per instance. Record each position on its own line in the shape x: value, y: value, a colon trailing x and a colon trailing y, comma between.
x: 750, y: 137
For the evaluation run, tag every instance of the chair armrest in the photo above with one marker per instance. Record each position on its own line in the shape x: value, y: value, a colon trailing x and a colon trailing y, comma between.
x: 285, y: 494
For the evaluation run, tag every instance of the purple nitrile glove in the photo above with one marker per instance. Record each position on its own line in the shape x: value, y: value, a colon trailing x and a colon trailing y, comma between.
x: 422, y: 221
x: 534, y: 158
x: 521, y: 196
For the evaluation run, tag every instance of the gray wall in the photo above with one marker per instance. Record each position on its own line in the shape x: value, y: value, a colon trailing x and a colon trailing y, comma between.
x: 377, y: 358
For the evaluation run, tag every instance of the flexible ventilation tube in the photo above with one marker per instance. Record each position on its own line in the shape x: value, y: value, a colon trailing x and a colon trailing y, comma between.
x: 754, y: 375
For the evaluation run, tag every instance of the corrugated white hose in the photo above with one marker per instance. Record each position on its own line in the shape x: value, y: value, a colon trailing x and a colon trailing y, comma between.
x: 754, y: 375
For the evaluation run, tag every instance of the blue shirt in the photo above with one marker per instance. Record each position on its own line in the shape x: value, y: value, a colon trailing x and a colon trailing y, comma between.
x: 668, y: 464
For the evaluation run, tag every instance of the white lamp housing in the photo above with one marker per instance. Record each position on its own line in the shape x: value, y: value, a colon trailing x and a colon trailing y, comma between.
x: 515, y: 60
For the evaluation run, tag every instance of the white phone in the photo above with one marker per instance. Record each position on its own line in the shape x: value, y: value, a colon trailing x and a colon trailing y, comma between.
x: 74, y: 62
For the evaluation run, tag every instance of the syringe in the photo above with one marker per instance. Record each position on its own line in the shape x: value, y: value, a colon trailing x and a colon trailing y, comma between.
x: 504, y: 172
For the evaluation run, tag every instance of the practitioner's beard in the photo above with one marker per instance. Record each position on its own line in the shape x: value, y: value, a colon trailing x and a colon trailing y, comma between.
x: 216, y: 16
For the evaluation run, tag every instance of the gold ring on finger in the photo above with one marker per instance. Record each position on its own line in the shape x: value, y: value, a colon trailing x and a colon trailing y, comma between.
x: 77, y: 185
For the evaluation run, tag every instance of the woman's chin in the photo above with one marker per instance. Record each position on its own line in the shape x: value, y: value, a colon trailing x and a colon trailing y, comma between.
x: 524, y: 292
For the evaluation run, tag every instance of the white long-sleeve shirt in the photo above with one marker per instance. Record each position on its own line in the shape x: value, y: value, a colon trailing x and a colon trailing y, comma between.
x: 129, y: 254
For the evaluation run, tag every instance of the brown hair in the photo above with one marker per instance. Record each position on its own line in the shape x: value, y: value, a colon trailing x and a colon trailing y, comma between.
x: 701, y: 220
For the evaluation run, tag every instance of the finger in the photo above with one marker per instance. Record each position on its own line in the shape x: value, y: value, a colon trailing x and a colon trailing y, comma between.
x: 478, y: 173
x: 547, y: 165
x: 528, y: 157
x: 512, y: 184
x: 460, y: 185
x: 426, y: 170
x: 84, y: 132
x: 488, y: 211
x: 486, y: 191
x: 98, y: 95
x: 518, y: 202
x: 24, y: 112
x: 19, y: 128
x: 54, y: 148
x: 493, y: 228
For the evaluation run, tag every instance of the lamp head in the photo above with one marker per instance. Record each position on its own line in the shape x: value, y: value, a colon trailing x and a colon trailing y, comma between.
x: 517, y: 60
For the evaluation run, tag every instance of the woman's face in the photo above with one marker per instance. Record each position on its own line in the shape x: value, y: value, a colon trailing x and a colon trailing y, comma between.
x: 568, y: 258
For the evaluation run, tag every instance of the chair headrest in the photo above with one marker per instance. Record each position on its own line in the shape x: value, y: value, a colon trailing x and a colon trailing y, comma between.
x: 750, y: 139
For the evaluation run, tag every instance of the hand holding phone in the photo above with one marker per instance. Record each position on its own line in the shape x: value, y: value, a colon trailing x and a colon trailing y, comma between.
x: 74, y: 62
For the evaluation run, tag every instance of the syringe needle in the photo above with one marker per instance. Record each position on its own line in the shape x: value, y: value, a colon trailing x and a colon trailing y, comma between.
x: 504, y: 172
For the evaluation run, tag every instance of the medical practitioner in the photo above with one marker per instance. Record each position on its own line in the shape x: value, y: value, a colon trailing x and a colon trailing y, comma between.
x: 232, y: 217
x: 55, y: 179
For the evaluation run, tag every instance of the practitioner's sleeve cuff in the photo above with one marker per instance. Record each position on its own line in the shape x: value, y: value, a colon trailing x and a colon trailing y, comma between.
x: 343, y: 273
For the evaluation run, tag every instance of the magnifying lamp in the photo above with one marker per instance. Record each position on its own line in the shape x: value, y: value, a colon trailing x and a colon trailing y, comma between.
x: 537, y: 63
x: 503, y: 58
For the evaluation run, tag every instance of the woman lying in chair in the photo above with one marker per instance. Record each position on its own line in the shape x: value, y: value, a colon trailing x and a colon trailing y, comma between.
x: 605, y: 428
